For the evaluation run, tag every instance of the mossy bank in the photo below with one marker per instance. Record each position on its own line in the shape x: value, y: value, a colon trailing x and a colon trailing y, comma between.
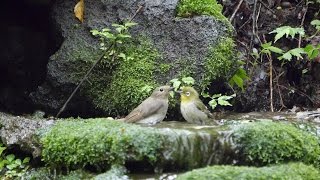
x: 285, y: 171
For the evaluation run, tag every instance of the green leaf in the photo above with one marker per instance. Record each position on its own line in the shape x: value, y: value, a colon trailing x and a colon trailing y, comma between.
x: 130, y: 24
x: 94, y: 32
x: 105, y: 30
x: 288, y: 31
x: 286, y: 56
x: 213, y: 103
x: 297, y: 52
x: 224, y: 97
x: 26, y: 160
x: 122, y: 55
x: 18, y: 162
x: 2, y: 149
x: 108, y: 35
x: 176, y: 85
x: 237, y: 80
x: 10, y: 157
x: 12, y: 166
x: 266, y: 45
x: 216, y: 95
x: 188, y: 80
x: 315, y: 22
x: 311, y: 51
x: 120, y: 29
x: 223, y: 102
x: 275, y: 49
x: 2, y: 163
x: 205, y: 94
x: 171, y: 93
x: 124, y: 36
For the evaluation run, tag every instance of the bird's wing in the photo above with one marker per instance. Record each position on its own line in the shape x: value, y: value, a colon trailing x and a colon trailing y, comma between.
x: 145, y: 109
x: 204, y: 109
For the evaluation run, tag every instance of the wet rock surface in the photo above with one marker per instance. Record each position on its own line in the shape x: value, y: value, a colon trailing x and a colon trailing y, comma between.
x: 21, y: 132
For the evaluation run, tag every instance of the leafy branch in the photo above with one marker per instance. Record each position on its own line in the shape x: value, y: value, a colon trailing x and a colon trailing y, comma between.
x: 216, y: 99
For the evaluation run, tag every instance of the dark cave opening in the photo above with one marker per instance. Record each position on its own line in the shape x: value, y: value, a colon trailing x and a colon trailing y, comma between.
x: 27, y: 41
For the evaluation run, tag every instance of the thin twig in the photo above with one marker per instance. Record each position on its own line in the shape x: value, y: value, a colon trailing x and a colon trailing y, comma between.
x: 135, y: 14
x: 300, y: 92
x: 235, y: 11
x: 92, y: 67
x: 279, y: 91
x: 253, y: 23
x: 270, y: 78
x: 305, y: 9
x: 267, y: 7
x: 82, y: 80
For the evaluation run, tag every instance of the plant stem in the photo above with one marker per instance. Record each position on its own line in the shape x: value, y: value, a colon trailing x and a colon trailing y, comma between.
x: 82, y: 80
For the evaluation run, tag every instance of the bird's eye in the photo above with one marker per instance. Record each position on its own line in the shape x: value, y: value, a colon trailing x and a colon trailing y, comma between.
x: 187, y: 93
x: 161, y: 89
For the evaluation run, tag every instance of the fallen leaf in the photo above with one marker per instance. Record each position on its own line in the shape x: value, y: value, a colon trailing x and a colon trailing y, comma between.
x: 79, y: 10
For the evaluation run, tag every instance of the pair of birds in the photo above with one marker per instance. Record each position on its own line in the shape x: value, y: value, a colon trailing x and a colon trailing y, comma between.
x: 154, y: 109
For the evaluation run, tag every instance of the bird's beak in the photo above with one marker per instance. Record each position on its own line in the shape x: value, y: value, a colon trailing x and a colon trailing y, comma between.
x: 171, y: 88
x: 179, y: 91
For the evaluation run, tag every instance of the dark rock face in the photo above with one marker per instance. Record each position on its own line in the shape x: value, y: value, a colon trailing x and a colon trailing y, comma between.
x: 25, y: 47
x: 178, y: 41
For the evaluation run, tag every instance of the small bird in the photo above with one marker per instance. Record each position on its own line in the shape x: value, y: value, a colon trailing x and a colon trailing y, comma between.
x: 152, y: 110
x: 192, y: 108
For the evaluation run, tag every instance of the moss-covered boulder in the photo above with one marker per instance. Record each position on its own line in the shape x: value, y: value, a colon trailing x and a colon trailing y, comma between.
x: 267, y: 142
x: 173, y: 38
x: 285, y: 172
x: 76, y: 143
x: 103, y: 142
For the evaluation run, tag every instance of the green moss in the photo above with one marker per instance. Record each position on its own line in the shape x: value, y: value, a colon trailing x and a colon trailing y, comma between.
x: 117, y: 89
x: 284, y: 172
x: 263, y: 143
x: 220, y: 61
x: 103, y: 142
x: 188, y: 8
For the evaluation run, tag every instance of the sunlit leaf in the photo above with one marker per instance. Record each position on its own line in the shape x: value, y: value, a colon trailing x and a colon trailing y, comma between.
x: 288, y: 31
x: 188, y: 80
x: 79, y: 10
x: 223, y: 102
x: 213, y: 103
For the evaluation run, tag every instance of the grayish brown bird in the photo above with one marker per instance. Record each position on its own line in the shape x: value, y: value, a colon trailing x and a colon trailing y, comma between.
x: 153, y: 109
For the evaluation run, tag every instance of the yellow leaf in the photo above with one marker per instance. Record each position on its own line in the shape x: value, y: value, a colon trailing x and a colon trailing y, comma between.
x: 79, y: 10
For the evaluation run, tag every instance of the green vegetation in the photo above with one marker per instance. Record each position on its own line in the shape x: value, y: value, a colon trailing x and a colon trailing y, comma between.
x: 264, y: 143
x: 99, y: 142
x: 220, y: 61
x: 216, y: 99
x: 284, y: 172
x: 189, y: 8
x: 124, y: 91
x: 117, y: 81
x: 11, y: 166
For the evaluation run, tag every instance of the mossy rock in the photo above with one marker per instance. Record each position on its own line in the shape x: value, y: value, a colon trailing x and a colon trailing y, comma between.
x: 102, y: 143
x: 267, y: 142
x: 189, y: 8
x: 76, y: 143
x: 284, y: 172
x: 163, y: 47
x: 117, y: 89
